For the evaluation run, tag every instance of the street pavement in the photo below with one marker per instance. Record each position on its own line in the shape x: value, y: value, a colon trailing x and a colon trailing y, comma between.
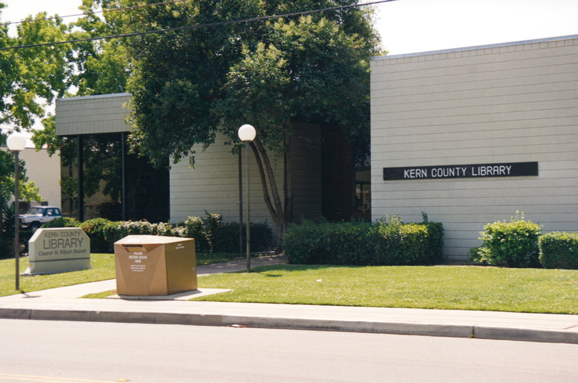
x: 64, y: 304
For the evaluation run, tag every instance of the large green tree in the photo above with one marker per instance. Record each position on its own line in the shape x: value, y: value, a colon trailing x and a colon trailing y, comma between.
x: 189, y: 85
x: 29, y: 79
x: 32, y: 78
x: 102, y: 65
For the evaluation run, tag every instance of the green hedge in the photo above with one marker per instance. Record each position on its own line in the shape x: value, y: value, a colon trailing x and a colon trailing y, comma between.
x: 94, y: 228
x: 559, y: 250
x: 195, y: 228
x: 211, y: 234
x: 117, y: 230
x: 61, y: 222
x: 364, y: 243
x: 434, y: 252
x: 514, y: 243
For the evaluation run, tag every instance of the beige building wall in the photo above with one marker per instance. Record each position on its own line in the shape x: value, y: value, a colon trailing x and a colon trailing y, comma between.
x: 213, y: 184
x: 92, y: 114
x: 513, y: 102
x: 44, y: 171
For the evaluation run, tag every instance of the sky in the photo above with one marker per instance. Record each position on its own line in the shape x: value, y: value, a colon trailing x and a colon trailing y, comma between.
x: 411, y: 26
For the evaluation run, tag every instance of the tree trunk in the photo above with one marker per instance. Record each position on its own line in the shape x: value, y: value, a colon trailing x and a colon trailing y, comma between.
x: 1, y: 216
x: 288, y: 185
x: 280, y: 214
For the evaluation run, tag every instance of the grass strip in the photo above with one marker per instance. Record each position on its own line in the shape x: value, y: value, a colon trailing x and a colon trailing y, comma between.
x: 434, y: 287
x: 103, y: 269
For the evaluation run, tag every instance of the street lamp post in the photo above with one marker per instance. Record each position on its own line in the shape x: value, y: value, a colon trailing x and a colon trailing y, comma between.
x: 16, y: 144
x: 247, y: 134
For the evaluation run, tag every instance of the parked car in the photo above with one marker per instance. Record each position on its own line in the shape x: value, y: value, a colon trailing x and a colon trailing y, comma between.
x: 38, y: 215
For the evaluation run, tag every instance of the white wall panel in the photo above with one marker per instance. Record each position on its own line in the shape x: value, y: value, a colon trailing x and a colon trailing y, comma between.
x: 505, y: 103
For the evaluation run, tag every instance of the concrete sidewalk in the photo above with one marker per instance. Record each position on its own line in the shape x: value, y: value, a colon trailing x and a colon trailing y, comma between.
x: 63, y: 304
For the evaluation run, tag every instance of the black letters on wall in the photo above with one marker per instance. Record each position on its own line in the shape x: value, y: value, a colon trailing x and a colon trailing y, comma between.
x: 511, y: 169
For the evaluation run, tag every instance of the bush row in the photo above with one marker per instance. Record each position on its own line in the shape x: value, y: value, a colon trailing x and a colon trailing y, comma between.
x: 211, y: 234
x: 389, y: 242
x: 520, y: 243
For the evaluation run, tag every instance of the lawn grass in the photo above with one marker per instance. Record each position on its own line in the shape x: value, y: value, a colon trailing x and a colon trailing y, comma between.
x: 433, y: 287
x: 103, y: 269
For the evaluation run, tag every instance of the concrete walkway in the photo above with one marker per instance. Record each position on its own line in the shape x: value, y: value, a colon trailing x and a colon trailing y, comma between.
x: 63, y: 304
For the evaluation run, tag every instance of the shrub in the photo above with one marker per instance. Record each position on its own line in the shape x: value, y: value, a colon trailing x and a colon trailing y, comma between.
x: 388, y: 242
x: 402, y: 244
x: 559, y: 250
x: 94, y: 228
x: 112, y: 232
x: 477, y: 254
x: 194, y: 228
x: 211, y: 224
x: 210, y: 234
x: 115, y: 231
x: 513, y: 243
x: 61, y: 222
x: 435, y: 250
x: 6, y: 248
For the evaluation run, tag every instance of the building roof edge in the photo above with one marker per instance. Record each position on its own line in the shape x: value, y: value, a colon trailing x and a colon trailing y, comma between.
x: 476, y: 47
x: 64, y: 99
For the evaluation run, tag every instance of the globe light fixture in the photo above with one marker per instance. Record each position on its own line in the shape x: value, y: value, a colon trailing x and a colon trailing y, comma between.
x: 247, y: 134
x: 16, y: 143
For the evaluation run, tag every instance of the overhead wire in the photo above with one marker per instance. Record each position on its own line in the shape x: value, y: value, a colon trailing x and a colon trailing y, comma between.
x: 93, y: 13
x: 198, y: 26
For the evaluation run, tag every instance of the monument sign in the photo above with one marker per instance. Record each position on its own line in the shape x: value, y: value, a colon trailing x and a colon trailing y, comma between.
x: 58, y: 250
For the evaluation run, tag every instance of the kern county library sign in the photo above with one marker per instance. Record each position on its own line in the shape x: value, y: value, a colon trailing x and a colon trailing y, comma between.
x: 512, y: 169
x: 58, y: 250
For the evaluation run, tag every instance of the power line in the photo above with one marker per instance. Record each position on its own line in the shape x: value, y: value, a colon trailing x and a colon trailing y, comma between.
x: 94, y: 13
x: 261, y: 18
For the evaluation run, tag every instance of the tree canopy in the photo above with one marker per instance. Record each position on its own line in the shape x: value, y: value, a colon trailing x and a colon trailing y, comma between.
x: 197, y: 82
x: 189, y: 85
x: 28, y: 79
x: 33, y: 77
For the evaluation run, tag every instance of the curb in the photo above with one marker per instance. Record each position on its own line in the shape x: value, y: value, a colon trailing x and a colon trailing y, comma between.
x: 422, y: 329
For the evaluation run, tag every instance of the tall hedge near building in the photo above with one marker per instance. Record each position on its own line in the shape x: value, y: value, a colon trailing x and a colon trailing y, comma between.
x: 559, y: 250
x: 365, y: 244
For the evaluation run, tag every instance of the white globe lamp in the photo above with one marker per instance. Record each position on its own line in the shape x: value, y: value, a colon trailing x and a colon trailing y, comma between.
x: 247, y: 133
x: 16, y: 143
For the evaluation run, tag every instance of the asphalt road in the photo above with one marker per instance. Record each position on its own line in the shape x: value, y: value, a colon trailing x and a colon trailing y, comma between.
x: 42, y: 351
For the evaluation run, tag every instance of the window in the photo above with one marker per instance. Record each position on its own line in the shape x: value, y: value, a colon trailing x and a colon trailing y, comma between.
x: 362, y: 190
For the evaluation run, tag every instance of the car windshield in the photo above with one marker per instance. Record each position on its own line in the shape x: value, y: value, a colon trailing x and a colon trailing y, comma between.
x: 35, y: 210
